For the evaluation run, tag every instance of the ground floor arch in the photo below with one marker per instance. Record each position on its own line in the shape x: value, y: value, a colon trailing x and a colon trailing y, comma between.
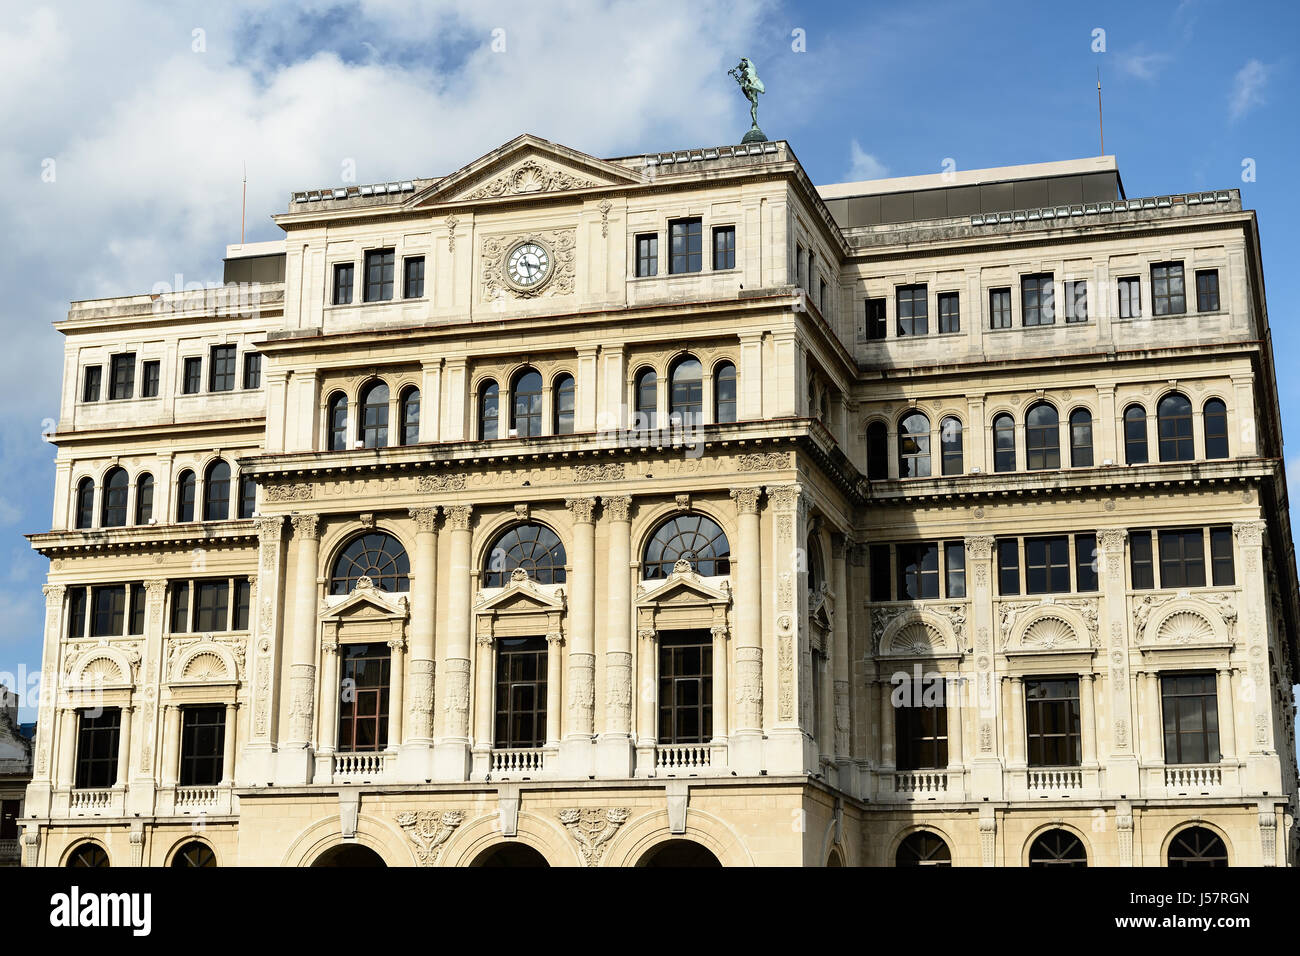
x: 678, y: 854
x: 349, y: 855
x: 510, y: 854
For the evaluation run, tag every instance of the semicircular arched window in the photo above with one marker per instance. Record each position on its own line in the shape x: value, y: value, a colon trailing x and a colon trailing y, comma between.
x: 1215, y: 417
x: 1004, y: 443
x: 724, y: 393
x: 923, y: 848
x: 196, y: 854
x: 373, y: 424
x: 337, y: 422
x: 1058, y: 848
x: 144, y: 499
x: 533, y: 548
x: 88, y: 854
x: 914, y: 446
x: 646, y: 398
x: 563, y: 395
x: 376, y: 555
x: 85, y: 505
x: 409, y: 410
x: 686, y: 392
x: 950, y: 446
x: 877, y: 451
x: 216, y: 491
x: 1174, y: 426
x: 185, y: 486
x: 693, y: 538
x: 526, y: 404
x: 1042, y: 437
x: 1135, y: 435
x: 113, y: 513
x: 489, y: 410
x: 1081, y: 438
x: 1196, y: 847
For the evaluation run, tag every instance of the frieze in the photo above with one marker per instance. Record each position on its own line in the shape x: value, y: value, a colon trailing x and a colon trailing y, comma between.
x: 298, y: 491
x: 428, y: 484
x: 527, y: 178
x: 764, y: 461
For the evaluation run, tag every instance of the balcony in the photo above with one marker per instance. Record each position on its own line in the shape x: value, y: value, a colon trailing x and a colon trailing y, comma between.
x: 1056, y: 781
x: 10, y: 852
x: 517, y: 762
x: 94, y: 803
x: 1184, y: 779
x: 688, y: 759
x: 367, y: 767
x: 928, y: 784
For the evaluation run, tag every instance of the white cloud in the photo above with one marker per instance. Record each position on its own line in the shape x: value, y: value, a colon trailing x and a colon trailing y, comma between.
x: 1143, y: 66
x: 863, y: 165
x: 1248, y: 89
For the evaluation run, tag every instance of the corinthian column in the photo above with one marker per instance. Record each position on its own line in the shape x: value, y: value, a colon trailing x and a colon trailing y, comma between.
x: 614, y: 750
x: 747, y: 738
x: 576, y: 746
x: 294, y: 764
x: 451, y: 753
x: 415, y: 759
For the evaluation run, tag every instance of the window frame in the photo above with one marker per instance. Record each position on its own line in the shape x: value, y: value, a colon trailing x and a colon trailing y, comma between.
x: 950, y: 321
x: 727, y: 262
x: 691, y: 259
x: 221, y: 367
x: 1042, y: 309
x: 917, y: 323
x: 1202, y: 296
x: 383, y: 287
x: 1172, y: 271
x: 121, y: 378
x: 410, y: 281
x: 646, y: 246
x: 344, y: 279
x: 999, y: 317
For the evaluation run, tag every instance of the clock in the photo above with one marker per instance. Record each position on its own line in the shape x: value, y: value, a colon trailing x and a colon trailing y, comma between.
x: 528, y: 265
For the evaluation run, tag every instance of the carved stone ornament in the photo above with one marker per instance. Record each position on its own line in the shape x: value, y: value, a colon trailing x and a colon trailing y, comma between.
x: 607, y: 471
x: 561, y: 250
x: 529, y: 177
x: 288, y: 492
x: 426, y: 484
x: 593, y: 829
x: 428, y: 830
x: 617, y: 507
x: 763, y: 461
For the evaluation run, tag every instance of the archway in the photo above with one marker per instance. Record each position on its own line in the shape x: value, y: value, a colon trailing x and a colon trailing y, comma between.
x: 679, y: 853
x: 349, y: 854
x: 510, y: 854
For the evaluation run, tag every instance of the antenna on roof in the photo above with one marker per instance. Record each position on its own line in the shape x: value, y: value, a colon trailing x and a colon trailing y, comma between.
x: 1101, y: 130
x: 243, y: 204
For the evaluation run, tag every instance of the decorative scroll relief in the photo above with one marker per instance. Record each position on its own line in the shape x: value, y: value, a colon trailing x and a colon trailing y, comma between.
x: 422, y: 697
x: 1019, y: 624
x: 563, y: 255
x: 427, y: 484
x: 606, y: 471
x: 593, y: 829
x: 1181, y: 620
x: 765, y: 461
x: 456, y: 705
x: 940, y: 629
x: 618, y: 690
x: 530, y: 177
x: 428, y: 830
x: 288, y: 492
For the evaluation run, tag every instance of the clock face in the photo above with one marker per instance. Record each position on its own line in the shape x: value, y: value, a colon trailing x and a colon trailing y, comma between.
x: 528, y: 265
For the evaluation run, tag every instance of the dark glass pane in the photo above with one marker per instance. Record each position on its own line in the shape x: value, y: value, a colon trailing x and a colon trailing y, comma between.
x: 379, y: 275
x: 1141, y: 569
x: 221, y: 369
x: 690, y: 537
x: 216, y: 492
x: 378, y: 556
x: 533, y: 547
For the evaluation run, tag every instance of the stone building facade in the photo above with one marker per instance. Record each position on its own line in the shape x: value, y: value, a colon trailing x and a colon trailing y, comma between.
x: 669, y: 509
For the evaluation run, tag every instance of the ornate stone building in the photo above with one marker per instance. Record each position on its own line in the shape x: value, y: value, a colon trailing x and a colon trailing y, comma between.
x: 670, y: 509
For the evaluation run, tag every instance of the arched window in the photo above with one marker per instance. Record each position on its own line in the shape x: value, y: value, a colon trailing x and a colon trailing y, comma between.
x: 409, y: 410
x: 88, y: 854
x: 144, y: 499
x: 1058, y: 848
x: 372, y: 429
x: 1135, y: 435
x: 526, y: 404
x: 686, y: 391
x: 1042, y: 437
x: 647, y: 398
x: 1215, y: 416
x: 688, y: 537
x: 376, y: 555
x: 1197, y: 847
x: 1004, y: 443
x: 923, y: 848
x: 113, y: 511
x: 877, y: 451
x: 338, y: 422
x: 1174, y: 426
x: 533, y: 547
x: 85, y: 503
x: 816, y: 571
x: 950, y: 446
x: 489, y: 412
x: 247, y: 496
x: 1081, y: 438
x: 914, y: 446
x: 724, y: 393
x: 185, y: 485
x: 216, y: 491
x: 194, y: 853
x: 564, y: 395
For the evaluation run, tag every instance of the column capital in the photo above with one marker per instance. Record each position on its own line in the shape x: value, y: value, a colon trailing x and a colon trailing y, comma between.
x: 426, y: 519
x: 746, y: 500
x: 1112, y: 540
x: 980, y: 547
x: 458, y: 517
x: 584, y: 509
x: 1250, y: 534
x: 53, y: 594
x: 306, y: 527
x: 720, y: 631
x: 271, y: 527
x: 554, y: 637
x: 617, y: 507
x: 647, y: 633
x: 788, y: 498
x: 841, y: 544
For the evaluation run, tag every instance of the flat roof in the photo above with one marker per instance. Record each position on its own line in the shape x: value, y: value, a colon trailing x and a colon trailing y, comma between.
x: 969, y: 177
x: 245, y: 250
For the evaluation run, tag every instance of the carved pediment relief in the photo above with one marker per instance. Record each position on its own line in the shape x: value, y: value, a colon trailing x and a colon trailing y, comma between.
x: 1182, y: 621
x: 366, y: 603
x: 1048, y: 625
x: 521, y: 596
x: 683, y: 588
x: 102, y: 665
x: 918, y: 633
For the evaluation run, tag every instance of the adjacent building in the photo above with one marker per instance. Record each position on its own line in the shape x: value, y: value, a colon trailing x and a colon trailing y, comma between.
x: 668, y: 510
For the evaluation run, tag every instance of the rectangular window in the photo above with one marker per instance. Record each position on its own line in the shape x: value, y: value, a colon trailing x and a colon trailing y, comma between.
x: 137, y: 609
x: 912, y: 310
x: 97, y: 745
x: 252, y: 370
x: 798, y: 265
x: 949, y: 312
x: 1224, y: 571
x: 954, y: 568
x: 203, y: 738
x: 243, y: 604
x: 685, y: 688
x: 821, y: 297
x: 379, y: 275
x: 151, y: 377
x: 1052, y: 724
x: 1076, y: 301
x: 108, y: 615
x: 1182, y: 559
x: 521, y: 692
x: 76, y: 612
x: 9, y: 810
x: 211, y: 605
x: 724, y: 247
x: 1085, y: 562
x: 1168, y: 296
x: 221, y: 369
x: 1141, y: 568
x: 343, y: 282
x: 363, y: 697
x: 192, y: 382
x: 91, y: 383
x: 1008, y: 566
x: 999, y: 308
x: 1191, y: 718
x: 880, y: 577
x: 123, y: 376
x: 918, y: 571
x: 921, y: 724
x: 413, y: 277
x: 247, y: 496
x: 647, y: 254
x: 1207, y: 290
x: 1047, y: 565
x: 1037, y: 300
x: 1130, y: 297
x: 686, y: 240
x: 875, y: 318
x: 180, y: 623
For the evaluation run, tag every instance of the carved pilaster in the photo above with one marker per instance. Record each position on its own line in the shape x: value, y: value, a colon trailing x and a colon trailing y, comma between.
x: 456, y: 703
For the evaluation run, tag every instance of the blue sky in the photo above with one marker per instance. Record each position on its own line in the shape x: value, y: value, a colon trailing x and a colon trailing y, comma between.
x: 149, y: 112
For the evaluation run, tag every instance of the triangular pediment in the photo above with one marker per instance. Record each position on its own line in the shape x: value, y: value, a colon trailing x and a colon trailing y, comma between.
x: 526, y: 166
x: 366, y: 603
x: 683, y: 589
x: 520, y: 596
